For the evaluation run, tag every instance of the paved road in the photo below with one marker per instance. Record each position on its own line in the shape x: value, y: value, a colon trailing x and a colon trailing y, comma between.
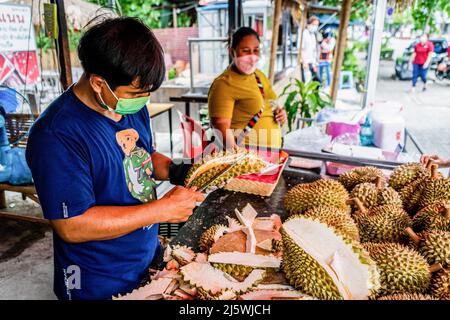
x: 427, y: 113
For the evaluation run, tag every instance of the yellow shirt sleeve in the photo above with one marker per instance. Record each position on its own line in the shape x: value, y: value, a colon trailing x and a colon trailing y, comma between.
x: 220, y: 100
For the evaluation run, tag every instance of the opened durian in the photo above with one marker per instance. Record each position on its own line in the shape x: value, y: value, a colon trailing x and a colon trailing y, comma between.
x: 240, y: 264
x: 405, y: 174
x: 327, y: 193
x: 434, y: 245
x: 352, y: 178
x: 214, y: 284
x: 338, y: 219
x: 209, y: 166
x: 433, y: 217
x: 402, y: 269
x: 440, y: 284
x: 382, y: 224
x: 375, y: 194
x: 211, y: 235
x: 321, y: 263
x: 408, y: 296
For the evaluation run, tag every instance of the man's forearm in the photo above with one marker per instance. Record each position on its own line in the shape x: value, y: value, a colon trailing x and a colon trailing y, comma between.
x: 161, y: 165
x: 109, y: 222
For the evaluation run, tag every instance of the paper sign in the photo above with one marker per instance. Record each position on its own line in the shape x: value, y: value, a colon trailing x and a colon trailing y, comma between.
x: 16, y: 28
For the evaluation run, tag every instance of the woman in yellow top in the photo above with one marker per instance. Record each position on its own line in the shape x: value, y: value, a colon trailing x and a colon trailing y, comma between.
x: 235, y: 97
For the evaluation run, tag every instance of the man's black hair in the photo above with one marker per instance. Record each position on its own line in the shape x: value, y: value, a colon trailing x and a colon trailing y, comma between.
x: 122, y: 50
x: 240, y: 34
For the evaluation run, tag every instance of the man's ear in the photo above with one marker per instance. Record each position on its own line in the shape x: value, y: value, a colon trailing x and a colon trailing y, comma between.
x: 96, y: 82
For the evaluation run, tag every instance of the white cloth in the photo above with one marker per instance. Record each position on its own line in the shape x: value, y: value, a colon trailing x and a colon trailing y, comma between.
x: 309, y: 47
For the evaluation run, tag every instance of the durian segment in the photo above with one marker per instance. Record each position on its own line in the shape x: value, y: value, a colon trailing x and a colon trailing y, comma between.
x: 402, y: 269
x: 407, y: 296
x: 383, y: 224
x: 340, y: 220
x: 275, y: 292
x: 183, y: 254
x: 433, y: 217
x: 405, y: 174
x: 328, y: 193
x: 212, y: 283
x: 206, y: 168
x: 319, y: 262
x: 352, y: 178
x: 440, y: 284
x: 434, y: 245
x: 211, y: 235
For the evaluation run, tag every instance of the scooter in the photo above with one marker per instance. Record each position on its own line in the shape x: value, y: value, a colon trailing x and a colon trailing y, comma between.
x: 443, y: 69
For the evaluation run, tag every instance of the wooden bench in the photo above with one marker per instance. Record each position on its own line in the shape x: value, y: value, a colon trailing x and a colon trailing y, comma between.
x: 17, y: 126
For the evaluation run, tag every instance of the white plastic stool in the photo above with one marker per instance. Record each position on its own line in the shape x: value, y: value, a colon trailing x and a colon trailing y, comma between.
x: 346, y: 80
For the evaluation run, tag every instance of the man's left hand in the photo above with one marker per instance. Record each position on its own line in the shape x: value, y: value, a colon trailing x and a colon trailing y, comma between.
x: 280, y: 115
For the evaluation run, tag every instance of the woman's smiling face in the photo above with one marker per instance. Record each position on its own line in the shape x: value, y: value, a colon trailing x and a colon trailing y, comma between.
x: 247, y: 46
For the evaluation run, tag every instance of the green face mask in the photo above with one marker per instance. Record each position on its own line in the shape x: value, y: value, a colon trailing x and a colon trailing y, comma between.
x: 125, y: 106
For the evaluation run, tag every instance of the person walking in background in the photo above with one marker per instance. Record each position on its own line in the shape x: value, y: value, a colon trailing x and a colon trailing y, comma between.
x: 310, y: 50
x: 421, y: 58
x: 326, y: 56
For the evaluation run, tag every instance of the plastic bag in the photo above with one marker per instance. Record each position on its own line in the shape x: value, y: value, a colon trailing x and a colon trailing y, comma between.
x: 310, y: 139
x: 20, y: 172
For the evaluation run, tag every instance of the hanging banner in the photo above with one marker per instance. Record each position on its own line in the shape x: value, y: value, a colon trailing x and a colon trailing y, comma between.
x: 16, y: 28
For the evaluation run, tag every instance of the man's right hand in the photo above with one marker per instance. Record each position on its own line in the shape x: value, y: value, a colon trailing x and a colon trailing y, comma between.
x: 180, y: 203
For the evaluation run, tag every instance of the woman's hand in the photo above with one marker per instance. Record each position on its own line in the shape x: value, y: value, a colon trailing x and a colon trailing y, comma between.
x: 180, y: 203
x: 436, y: 159
x: 280, y: 115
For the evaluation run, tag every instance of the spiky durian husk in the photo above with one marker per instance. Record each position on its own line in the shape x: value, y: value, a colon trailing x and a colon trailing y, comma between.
x: 405, y: 174
x: 436, y: 190
x: 238, y: 272
x: 433, y: 217
x: 308, y: 276
x: 210, y: 236
x: 203, y: 170
x: 434, y: 245
x: 277, y: 245
x: 402, y: 269
x: 338, y: 219
x: 440, y: 284
x: 352, y: 178
x: 328, y: 193
x: 383, y: 224
x: 371, y: 196
x: 407, y: 296
x: 410, y: 195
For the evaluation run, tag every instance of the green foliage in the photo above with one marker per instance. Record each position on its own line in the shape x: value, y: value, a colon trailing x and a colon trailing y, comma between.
x: 172, y: 73
x: 424, y: 10
x: 351, y: 62
x: 360, y: 9
x: 304, y: 100
x: 74, y: 39
x: 43, y: 42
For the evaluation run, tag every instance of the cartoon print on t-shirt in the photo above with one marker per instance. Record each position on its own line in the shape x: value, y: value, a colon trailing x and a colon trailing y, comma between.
x: 137, y: 165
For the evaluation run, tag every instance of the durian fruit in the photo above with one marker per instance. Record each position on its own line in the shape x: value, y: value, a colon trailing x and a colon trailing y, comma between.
x: 402, y: 269
x: 214, y: 284
x: 383, y: 224
x: 407, y: 296
x: 352, y: 178
x: 240, y: 264
x: 375, y: 194
x: 433, y: 217
x: 405, y: 174
x: 440, y: 284
x: 327, y: 193
x: 321, y: 263
x: 205, y: 169
x: 425, y: 191
x: 338, y: 219
x: 434, y: 245
x: 211, y: 235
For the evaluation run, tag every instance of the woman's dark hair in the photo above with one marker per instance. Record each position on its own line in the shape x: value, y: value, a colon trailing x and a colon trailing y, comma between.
x: 240, y: 34
x: 122, y: 50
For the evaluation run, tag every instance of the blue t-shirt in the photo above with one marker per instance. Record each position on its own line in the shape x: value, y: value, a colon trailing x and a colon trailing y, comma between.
x: 80, y: 159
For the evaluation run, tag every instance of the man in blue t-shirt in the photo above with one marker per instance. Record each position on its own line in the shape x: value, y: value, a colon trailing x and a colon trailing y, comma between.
x: 93, y: 165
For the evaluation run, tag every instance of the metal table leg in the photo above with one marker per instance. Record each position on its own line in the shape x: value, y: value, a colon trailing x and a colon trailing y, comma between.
x: 170, y: 133
x: 188, y: 108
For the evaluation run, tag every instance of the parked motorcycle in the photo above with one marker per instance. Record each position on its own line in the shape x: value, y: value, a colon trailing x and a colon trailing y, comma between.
x: 443, y: 69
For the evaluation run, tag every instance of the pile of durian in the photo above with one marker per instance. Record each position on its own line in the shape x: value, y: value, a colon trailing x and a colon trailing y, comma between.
x: 362, y: 237
x: 359, y: 237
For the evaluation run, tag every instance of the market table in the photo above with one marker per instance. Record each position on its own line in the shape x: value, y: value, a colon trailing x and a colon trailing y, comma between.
x: 189, y: 98
x: 221, y: 203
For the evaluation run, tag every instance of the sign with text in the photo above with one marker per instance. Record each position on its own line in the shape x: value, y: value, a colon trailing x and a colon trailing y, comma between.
x: 16, y: 28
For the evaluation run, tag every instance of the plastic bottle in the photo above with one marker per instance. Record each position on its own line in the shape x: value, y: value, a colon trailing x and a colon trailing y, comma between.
x: 366, y: 134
